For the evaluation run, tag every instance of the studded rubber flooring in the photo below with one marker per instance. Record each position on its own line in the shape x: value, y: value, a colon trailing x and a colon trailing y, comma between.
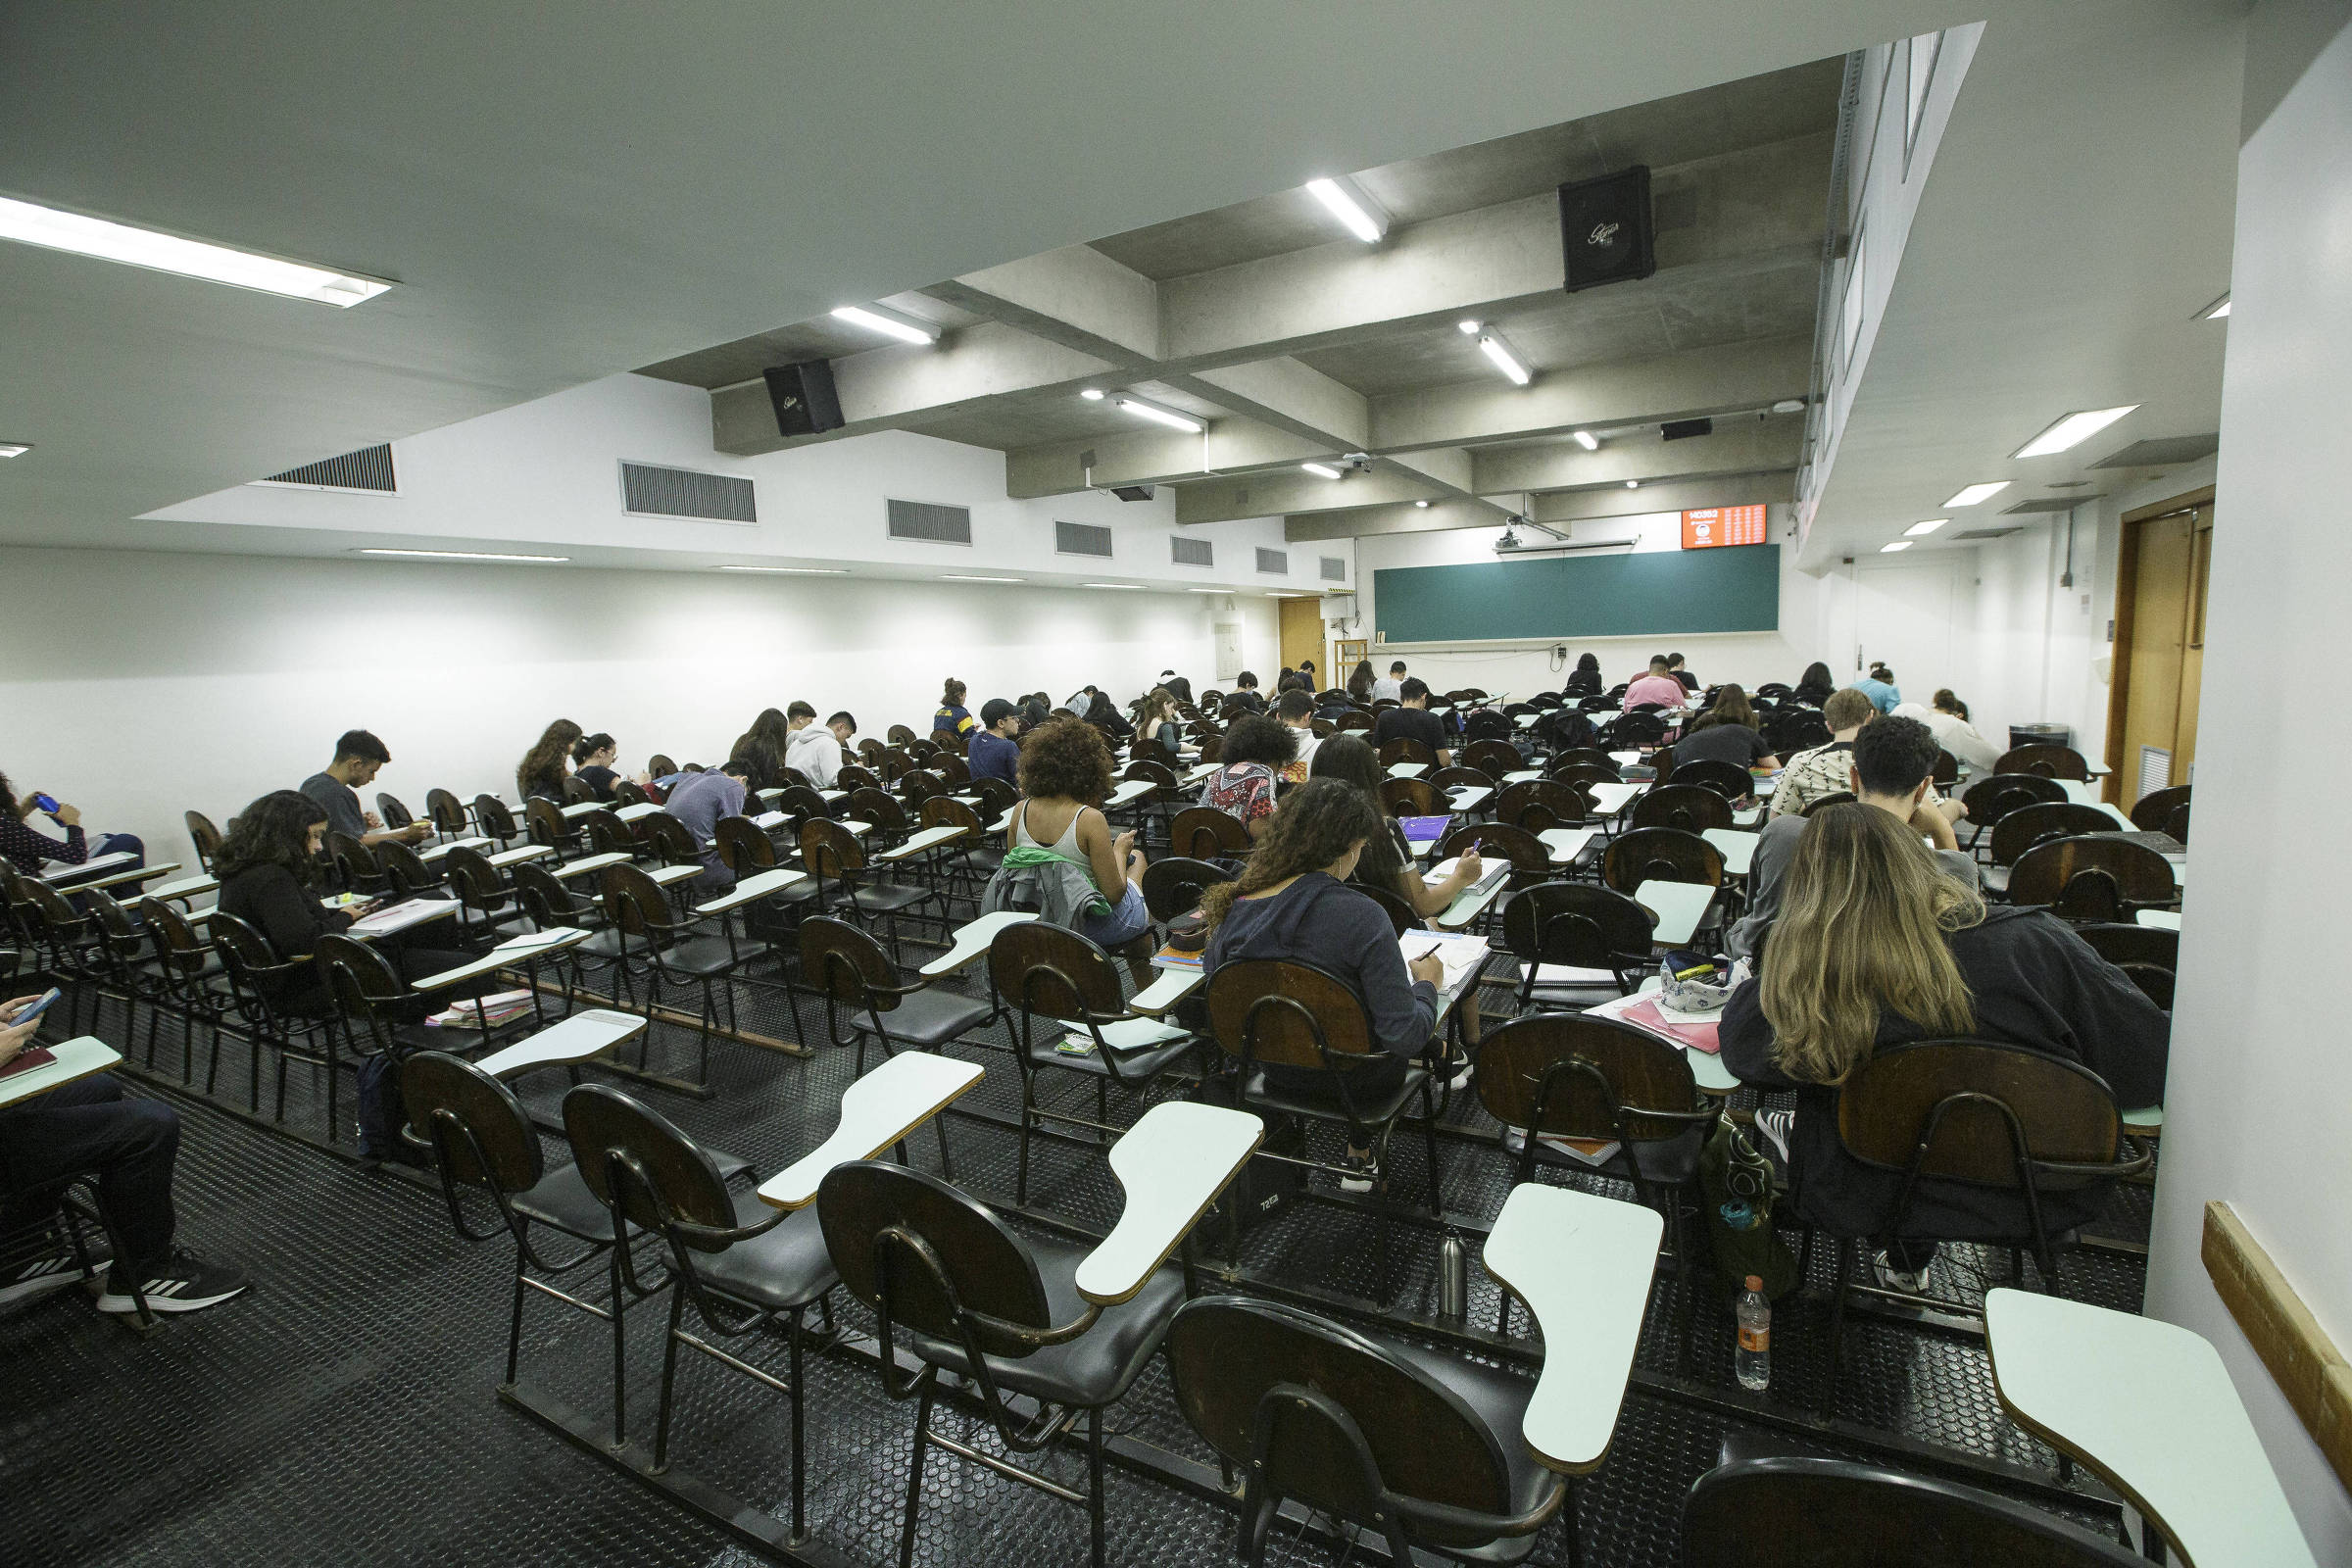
x: 345, y: 1410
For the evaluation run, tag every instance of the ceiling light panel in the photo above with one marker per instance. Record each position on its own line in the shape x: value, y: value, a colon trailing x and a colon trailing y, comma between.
x: 460, y: 555
x: 51, y: 230
x: 1929, y: 526
x: 1899, y: 544
x: 1982, y: 491
x: 1159, y: 414
x: 965, y: 577
x: 2072, y: 431
x: 795, y: 571
x: 1357, y: 214
x: 1588, y: 440
x: 15, y: 448
x: 1321, y: 471
x: 1495, y: 349
x: 888, y: 323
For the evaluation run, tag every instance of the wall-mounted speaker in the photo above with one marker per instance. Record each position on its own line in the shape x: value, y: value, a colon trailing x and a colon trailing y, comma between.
x: 804, y: 396
x: 1605, y: 231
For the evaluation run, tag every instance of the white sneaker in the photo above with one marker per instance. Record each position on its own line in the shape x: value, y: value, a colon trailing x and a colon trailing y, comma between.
x: 184, y: 1283
x: 1358, y: 1177
x: 1776, y: 1124
x: 1911, y: 1282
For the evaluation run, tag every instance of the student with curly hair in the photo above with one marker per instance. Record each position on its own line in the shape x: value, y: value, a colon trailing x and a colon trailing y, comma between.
x: 1256, y: 751
x: 1065, y: 775
x: 544, y: 769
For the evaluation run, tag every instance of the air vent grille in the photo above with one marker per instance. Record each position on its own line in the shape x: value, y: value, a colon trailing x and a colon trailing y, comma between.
x: 1274, y: 562
x: 650, y: 491
x: 1985, y: 533
x: 931, y: 522
x: 1080, y: 539
x: 1334, y: 569
x: 1192, y: 552
x: 369, y: 468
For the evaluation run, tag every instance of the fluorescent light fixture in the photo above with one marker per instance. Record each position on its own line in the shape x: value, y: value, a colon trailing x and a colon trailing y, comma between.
x: 1633, y: 484
x: 2216, y: 310
x: 1588, y: 440
x: 1122, y: 587
x: 1092, y: 394
x: 1899, y: 544
x: 1350, y: 209
x: 1929, y: 526
x: 2072, y: 431
x: 1157, y: 415
x: 1420, y: 505
x: 1504, y: 360
x: 1976, y: 493
x: 1467, y: 328
x: 797, y: 571
x: 1208, y: 590
x: 888, y: 323
x: 965, y: 577
x: 458, y: 555
x: 1790, y: 406
x: 1321, y: 471
x: 54, y: 230
x: 15, y: 448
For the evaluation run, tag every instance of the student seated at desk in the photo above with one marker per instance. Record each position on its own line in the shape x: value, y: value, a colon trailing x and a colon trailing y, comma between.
x: 995, y: 753
x: 1177, y: 686
x: 1387, y: 863
x: 592, y: 756
x: 1891, y: 770
x: 1245, y: 696
x: 1814, y: 687
x: 1726, y: 733
x: 699, y: 800
x: 1825, y: 771
x: 1157, y: 721
x: 1391, y: 686
x: 1104, y: 715
x: 761, y: 749
x: 1948, y: 722
x: 267, y: 867
x: 85, y: 1128
x: 1674, y: 667
x: 358, y: 757
x: 952, y: 717
x: 28, y: 847
x: 1294, y: 711
x: 818, y: 751
x: 1877, y: 947
x: 1255, y: 752
x: 1413, y: 721
x: 544, y: 768
x: 1656, y: 689
x: 1878, y: 686
x: 1584, y: 679
x: 1065, y: 775
x: 1360, y: 683
x: 1293, y: 902
x: 1306, y: 672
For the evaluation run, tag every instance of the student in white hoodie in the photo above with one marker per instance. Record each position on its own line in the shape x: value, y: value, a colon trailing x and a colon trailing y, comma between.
x: 817, y: 751
x: 1948, y: 722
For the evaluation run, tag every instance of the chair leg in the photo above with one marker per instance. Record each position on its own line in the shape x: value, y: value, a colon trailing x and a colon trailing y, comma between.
x: 515, y: 1323
x: 799, y: 1435
x: 914, y: 1470
x: 1429, y: 1135
x: 669, y: 1377
x: 1020, y: 1185
x: 620, y: 1357
x: 1094, y: 1482
x: 1829, y: 1382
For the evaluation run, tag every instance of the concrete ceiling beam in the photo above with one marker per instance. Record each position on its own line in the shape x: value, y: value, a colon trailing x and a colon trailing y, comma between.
x: 1742, y: 446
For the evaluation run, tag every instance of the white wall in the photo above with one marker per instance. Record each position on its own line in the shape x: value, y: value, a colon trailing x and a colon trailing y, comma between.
x: 2254, y: 1110
x: 146, y: 684
x: 1523, y: 666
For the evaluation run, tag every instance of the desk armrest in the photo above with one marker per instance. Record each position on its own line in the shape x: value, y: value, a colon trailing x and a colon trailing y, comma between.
x: 1172, y: 987
x: 1171, y: 1166
x: 970, y: 942
x: 577, y: 1039
x: 876, y: 1111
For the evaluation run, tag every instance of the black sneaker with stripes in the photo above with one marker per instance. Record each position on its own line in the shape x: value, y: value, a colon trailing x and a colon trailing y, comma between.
x: 37, y: 1276
x: 184, y: 1284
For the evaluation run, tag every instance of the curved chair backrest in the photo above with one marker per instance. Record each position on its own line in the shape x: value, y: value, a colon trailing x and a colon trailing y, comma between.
x: 1576, y: 923
x: 1636, y: 1068
x: 1407, y: 797
x: 1260, y: 1382
x: 491, y: 813
x: 1705, y: 772
x: 243, y: 949
x: 1488, y: 726
x: 1797, y: 731
x: 1053, y: 972
x: 2021, y: 829
x: 882, y: 808
x: 1275, y: 1011
x: 1541, y: 804
x: 1405, y: 750
x: 361, y: 979
x: 177, y: 943
x: 1772, y: 688
x: 951, y: 766
x: 873, y: 1214
x: 847, y: 963
x: 744, y: 848
x: 2126, y: 943
x: 855, y: 775
x: 405, y: 869
x: 671, y: 838
x: 1792, y: 1512
x: 1205, y: 833
x: 800, y: 802
x: 1401, y: 915
x: 628, y: 792
x: 658, y: 765
x: 393, y: 812
x: 1887, y: 1110
x: 547, y: 822
x: 996, y: 795
x: 544, y: 897
x: 355, y: 861
x: 1356, y: 719
x: 1996, y: 795
x: 899, y: 734
x: 2045, y: 761
x: 1151, y: 768
x: 1688, y: 807
x: 1499, y: 840
x: 2091, y: 878
x: 463, y: 1111
x: 612, y: 1131
x: 829, y: 848
x: 204, y: 835
x: 1173, y: 885
x: 476, y: 879
x: 2154, y: 809
x: 634, y: 903
x: 1661, y: 854
x: 1947, y: 769
x: 578, y: 790
x: 1635, y: 729
x: 1841, y: 798
x: 446, y: 809
x: 1462, y: 777
x: 923, y: 751
x: 945, y: 810
x: 1492, y: 757
x: 921, y: 784
x: 1584, y: 775
x: 608, y: 834
x: 895, y: 764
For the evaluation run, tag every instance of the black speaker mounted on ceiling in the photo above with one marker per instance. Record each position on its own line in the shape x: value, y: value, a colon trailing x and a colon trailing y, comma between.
x: 1684, y: 429
x: 1606, y: 230
x: 1132, y: 492
x: 803, y: 396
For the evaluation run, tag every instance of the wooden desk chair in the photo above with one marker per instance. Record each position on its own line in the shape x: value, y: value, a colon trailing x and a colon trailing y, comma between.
x: 899, y: 734
x: 405, y: 872
x: 605, y: 833
x: 1530, y: 862
x: 997, y: 797
x: 1410, y: 796
x: 747, y: 1269
x: 487, y: 909
x: 357, y: 865
x: 1207, y: 833
x: 1986, y: 1115
x: 578, y: 790
x: 1061, y: 983
x: 1799, y: 1511
x: 1540, y: 804
x: 1730, y: 782
x: 447, y: 811
x: 1356, y: 720
x: 553, y: 905
x: 73, y: 949
x: 1488, y: 726
x: 1213, y: 745
x: 742, y: 845
x: 1461, y: 776
x: 1402, y: 749
x: 393, y: 813
x: 2020, y: 829
x: 970, y: 860
x: 629, y: 791
x: 856, y: 775
x: 1660, y: 855
x: 1586, y: 757
x: 493, y: 819
x: 949, y: 764
x: 923, y: 751
x: 2153, y: 811
x: 1996, y: 795
x: 1267, y: 1011
x: 204, y: 835
x: 662, y: 947
x: 917, y: 787
x: 2149, y: 955
x: 848, y: 967
x: 122, y: 951
x: 2094, y: 877
x: 1403, y: 916
x: 545, y: 823
x: 1577, y: 925
x: 2045, y: 761
x: 1774, y: 689
x: 658, y: 765
x: 1947, y: 769
x: 832, y: 856
x: 670, y: 840
x: 1418, y: 1447
x: 1173, y: 885
x: 1690, y: 808
x: 195, y: 986
x: 1492, y: 757
x: 894, y: 765
x: 258, y: 978
x: 1632, y: 731
x: 1572, y: 1075
x: 1583, y: 775
x: 1165, y: 799
x: 1794, y: 731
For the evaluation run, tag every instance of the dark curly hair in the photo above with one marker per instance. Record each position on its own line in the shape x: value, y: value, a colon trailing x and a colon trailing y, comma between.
x: 1315, y: 825
x: 1066, y: 758
x: 274, y: 830
x: 1260, y: 738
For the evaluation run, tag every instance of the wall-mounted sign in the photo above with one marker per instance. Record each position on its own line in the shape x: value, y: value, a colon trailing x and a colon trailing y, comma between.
x: 1710, y: 526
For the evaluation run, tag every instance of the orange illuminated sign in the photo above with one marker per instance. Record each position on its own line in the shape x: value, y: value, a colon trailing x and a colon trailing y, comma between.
x: 1710, y: 526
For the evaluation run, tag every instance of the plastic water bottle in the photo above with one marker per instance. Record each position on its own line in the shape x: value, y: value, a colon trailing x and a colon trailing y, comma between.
x: 1753, y: 1359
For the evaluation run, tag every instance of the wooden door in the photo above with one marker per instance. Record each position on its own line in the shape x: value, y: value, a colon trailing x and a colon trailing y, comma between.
x: 1301, y: 633
x: 2159, y: 646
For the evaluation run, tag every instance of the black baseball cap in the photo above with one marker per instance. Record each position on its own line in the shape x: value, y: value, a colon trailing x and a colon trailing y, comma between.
x: 995, y: 710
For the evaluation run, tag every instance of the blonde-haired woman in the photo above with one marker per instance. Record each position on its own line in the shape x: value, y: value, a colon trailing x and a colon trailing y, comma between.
x: 1875, y: 946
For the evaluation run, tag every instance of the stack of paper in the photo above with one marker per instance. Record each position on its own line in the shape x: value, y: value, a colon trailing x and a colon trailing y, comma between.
x: 499, y: 1006
x: 1489, y: 872
x: 1458, y: 951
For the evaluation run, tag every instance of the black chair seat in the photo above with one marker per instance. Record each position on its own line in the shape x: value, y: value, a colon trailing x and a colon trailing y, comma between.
x: 1668, y: 1161
x: 785, y: 1269
x: 210, y: 970
x: 889, y: 897
x: 562, y: 1200
x: 1097, y: 1367
x: 929, y: 1019
x: 1499, y: 1400
x: 700, y: 957
x: 606, y: 945
x: 985, y: 862
x: 1145, y: 1062
x: 1373, y: 1109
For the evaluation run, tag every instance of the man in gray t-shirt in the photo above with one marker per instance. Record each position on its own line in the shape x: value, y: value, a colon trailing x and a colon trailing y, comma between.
x: 1893, y: 769
x: 359, y: 756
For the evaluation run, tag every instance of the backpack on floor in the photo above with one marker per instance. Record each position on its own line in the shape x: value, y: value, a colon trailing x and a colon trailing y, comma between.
x: 1265, y: 1187
x: 382, y: 1111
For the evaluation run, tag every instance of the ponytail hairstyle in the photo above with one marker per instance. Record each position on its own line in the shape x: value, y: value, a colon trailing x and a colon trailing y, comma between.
x: 588, y: 746
x: 952, y: 695
x: 1947, y: 703
x: 1317, y: 823
x: 1879, y: 672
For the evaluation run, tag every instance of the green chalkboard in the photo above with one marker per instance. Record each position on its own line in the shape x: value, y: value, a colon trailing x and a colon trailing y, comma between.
x: 1658, y: 594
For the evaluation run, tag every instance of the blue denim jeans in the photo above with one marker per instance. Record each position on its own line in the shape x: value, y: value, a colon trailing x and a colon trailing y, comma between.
x: 1127, y: 921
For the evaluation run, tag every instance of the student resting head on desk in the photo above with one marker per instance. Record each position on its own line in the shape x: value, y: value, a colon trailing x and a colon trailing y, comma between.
x: 1656, y: 689
x: 543, y: 768
x: 1947, y: 721
x: 1875, y: 945
x: 1293, y: 902
x: 1255, y: 752
x: 1413, y: 721
x: 358, y: 757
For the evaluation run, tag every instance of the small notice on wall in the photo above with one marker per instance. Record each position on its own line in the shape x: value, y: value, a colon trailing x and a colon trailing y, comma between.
x: 1710, y: 526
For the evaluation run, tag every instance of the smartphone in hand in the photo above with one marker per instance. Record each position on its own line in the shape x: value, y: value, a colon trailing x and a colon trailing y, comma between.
x: 35, y: 1008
